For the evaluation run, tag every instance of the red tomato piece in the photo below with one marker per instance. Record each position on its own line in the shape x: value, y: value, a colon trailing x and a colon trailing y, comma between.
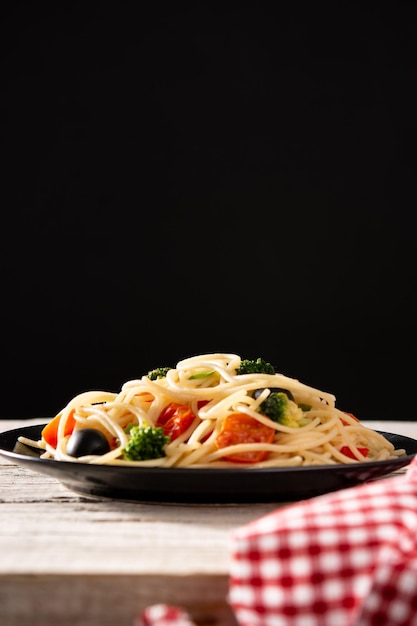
x: 240, y: 428
x: 175, y: 418
x: 50, y: 430
x: 348, y: 452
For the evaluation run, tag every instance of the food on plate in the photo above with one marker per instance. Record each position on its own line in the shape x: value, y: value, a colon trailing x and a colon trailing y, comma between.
x: 211, y: 410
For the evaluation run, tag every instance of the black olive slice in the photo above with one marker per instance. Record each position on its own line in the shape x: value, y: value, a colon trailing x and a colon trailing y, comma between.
x: 87, y: 441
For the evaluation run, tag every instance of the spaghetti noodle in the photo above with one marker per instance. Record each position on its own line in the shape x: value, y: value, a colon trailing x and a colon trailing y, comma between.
x: 211, y: 412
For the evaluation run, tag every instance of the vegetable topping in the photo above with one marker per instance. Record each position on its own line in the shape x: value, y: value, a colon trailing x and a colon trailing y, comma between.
x: 145, y: 442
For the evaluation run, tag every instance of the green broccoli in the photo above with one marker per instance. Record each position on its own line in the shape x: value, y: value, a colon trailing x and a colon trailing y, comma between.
x: 279, y: 408
x: 159, y: 372
x: 248, y: 366
x: 145, y: 442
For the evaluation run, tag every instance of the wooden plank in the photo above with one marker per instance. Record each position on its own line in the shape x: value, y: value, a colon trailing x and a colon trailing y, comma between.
x: 56, y: 539
x: 85, y: 600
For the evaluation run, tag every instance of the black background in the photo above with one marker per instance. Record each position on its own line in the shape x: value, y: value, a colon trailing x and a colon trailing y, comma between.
x: 195, y: 178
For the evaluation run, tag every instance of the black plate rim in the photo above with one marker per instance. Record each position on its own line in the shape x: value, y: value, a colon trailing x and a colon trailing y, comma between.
x: 341, y: 475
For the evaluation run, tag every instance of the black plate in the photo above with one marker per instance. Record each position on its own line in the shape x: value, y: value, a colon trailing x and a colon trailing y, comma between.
x: 221, y: 485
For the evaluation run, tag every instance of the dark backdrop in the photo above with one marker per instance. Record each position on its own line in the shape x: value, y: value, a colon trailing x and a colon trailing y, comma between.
x: 199, y: 179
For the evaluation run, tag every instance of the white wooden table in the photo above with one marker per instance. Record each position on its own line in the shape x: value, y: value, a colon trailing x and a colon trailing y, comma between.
x: 68, y: 560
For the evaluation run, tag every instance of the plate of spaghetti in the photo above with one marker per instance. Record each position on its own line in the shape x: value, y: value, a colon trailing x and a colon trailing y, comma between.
x: 214, y: 428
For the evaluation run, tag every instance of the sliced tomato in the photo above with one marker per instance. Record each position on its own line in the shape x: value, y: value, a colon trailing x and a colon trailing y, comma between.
x: 175, y: 418
x: 240, y: 428
x: 348, y: 452
x: 50, y: 431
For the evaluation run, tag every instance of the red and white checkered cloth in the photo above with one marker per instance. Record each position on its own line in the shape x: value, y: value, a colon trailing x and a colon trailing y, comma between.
x: 347, y: 558
x: 164, y: 615
x: 342, y: 559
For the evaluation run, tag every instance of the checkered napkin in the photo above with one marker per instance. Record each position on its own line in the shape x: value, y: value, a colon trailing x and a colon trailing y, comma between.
x: 348, y: 558
x: 164, y: 615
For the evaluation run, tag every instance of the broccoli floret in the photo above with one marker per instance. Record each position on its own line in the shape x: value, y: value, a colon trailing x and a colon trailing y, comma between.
x: 145, y: 442
x: 159, y: 372
x: 279, y: 408
x: 275, y: 406
x: 258, y: 366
